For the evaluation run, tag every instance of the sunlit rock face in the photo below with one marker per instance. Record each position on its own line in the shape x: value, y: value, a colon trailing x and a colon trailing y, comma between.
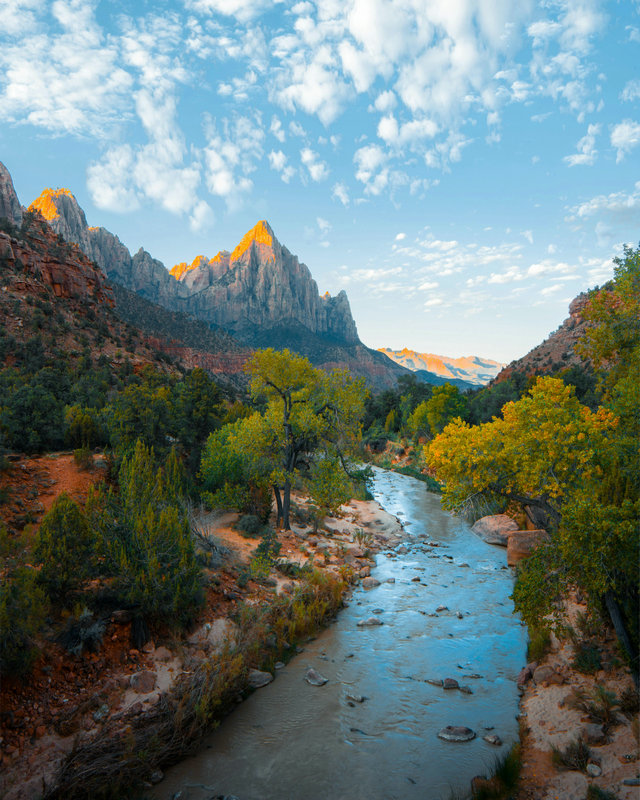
x: 10, y: 207
x: 260, y: 284
x: 142, y: 273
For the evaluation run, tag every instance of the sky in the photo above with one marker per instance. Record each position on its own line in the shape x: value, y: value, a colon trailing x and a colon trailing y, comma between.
x: 462, y: 168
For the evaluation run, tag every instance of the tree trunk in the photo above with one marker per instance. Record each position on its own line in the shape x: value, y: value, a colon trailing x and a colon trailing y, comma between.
x: 618, y: 623
x: 276, y: 492
x: 286, y: 504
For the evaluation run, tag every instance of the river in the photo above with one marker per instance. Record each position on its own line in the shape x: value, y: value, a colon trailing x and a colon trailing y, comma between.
x: 294, y: 741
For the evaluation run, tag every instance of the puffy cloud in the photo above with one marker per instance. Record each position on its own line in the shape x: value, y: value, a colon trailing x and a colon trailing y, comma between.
x: 625, y: 136
x: 631, y: 91
x: 318, y: 170
x: 109, y: 181
x: 243, y: 10
x: 623, y: 207
x: 230, y: 156
x: 586, y: 148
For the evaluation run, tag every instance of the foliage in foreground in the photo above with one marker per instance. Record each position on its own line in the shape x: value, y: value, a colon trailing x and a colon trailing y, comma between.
x: 112, y: 765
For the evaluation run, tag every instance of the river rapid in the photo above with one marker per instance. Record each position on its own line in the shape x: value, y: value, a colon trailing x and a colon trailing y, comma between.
x: 294, y: 741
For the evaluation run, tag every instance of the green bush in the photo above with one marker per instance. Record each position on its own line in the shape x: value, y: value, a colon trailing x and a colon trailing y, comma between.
x: 539, y: 643
x: 65, y: 546
x: 22, y: 608
x: 249, y: 525
x: 587, y: 658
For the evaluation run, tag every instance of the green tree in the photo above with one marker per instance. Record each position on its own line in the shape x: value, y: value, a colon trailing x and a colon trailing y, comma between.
x: 65, y: 546
x: 446, y: 403
x: 306, y: 409
x: 418, y: 420
x: 329, y: 485
x: 22, y: 607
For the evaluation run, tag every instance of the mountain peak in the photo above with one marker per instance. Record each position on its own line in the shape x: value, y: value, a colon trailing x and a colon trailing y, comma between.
x: 260, y: 234
x: 50, y: 201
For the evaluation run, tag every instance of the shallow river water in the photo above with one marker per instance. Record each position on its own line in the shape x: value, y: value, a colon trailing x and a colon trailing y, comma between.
x: 294, y: 741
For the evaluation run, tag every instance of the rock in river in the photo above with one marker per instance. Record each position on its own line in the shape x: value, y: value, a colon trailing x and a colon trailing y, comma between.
x: 493, y: 738
x: 456, y: 733
x: 315, y: 678
x: 450, y: 683
x: 370, y: 622
x: 370, y: 583
x: 258, y: 679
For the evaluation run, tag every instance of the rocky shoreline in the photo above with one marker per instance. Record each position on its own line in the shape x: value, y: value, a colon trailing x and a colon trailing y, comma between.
x: 46, y: 724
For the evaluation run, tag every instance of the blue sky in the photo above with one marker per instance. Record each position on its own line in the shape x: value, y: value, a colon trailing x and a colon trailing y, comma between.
x: 463, y: 168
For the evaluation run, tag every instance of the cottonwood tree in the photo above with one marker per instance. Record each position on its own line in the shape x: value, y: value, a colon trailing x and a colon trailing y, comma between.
x: 307, y: 415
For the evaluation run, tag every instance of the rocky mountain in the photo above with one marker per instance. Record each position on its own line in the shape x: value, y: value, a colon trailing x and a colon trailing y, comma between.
x: 557, y: 351
x: 10, y: 207
x: 259, y: 292
x: 471, y: 370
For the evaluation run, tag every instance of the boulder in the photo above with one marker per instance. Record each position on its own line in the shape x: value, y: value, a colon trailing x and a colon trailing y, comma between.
x: 143, y: 682
x: 450, y: 683
x: 370, y: 583
x: 369, y: 623
x: 522, y: 543
x: 493, y: 738
x: 257, y: 678
x: 495, y: 529
x: 544, y: 674
x: 456, y: 733
x: 315, y: 678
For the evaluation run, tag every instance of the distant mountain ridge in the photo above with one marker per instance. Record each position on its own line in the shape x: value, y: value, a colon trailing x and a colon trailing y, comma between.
x: 259, y: 292
x: 470, y: 369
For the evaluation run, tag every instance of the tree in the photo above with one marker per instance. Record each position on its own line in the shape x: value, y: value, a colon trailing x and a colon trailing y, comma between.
x: 418, y: 420
x: 542, y: 449
x: 65, y: 546
x: 22, y: 607
x: 446, y: 403
x: 305, y: 409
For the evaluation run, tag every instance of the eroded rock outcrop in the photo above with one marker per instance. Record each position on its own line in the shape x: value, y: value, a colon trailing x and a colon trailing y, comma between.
x: 10, y: 207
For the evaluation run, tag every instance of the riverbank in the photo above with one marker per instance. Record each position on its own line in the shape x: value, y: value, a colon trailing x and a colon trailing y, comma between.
x: 579, y: 690
x: 77, y: 711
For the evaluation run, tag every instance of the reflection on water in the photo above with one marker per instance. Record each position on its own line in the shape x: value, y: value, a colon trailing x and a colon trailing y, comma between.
x: 291, y: 740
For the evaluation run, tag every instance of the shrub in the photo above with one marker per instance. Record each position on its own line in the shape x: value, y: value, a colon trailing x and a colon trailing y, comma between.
x: 22, y: 608
x: 539, y: 643
x: 65, y: 546
x: 596, y: 793
x: 83, y: 458
x: 630, y: 702
x: 249, y: 525
x: 576, y: 756
x: 587, y: 658
x: 82, y: 632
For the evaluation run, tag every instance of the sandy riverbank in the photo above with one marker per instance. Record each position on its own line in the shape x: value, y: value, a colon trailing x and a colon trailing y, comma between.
x: 551, y: 717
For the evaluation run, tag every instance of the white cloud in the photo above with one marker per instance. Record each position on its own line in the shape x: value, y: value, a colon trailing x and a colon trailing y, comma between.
x: 400, y: 237
x: 276, y: 129
x: 631, y: 91
x: 625, y: 136
x: 586, y: 149
x: 109, y: 181
x: 318, y: 170
x: 385, y: 101
x: 323, y: 224
x: 202, y: 217
x: 243, y: 10
x: 341, y: 193
x: 230, y: 156
x: 620, y: 207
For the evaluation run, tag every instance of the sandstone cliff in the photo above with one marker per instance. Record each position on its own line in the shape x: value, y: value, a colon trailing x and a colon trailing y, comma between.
x: 10, y: 207
x: 259, y: 285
